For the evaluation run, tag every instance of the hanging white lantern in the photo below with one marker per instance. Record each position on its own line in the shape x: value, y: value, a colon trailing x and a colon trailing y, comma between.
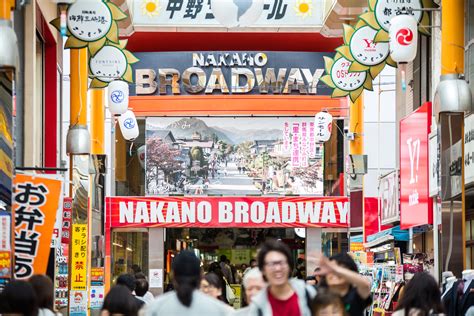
x: 128, y: 125
x: 403, y: 34
x: 141, y: 155
x: 118, y: 97
x: 323, y: 127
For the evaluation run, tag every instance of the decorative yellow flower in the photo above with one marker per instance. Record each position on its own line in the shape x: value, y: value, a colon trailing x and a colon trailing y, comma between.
x: 303, y: 8
x: 151, y: 7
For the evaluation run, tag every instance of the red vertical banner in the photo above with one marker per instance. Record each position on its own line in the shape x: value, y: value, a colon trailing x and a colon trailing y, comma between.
x: 415, y: 203
x: 66, y: 227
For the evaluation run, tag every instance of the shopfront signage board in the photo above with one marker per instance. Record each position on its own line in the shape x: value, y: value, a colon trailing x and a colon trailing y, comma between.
x: 415, y: 203
x: 433, y: 164
x: 222, y: 212
x: 199, y: 14
x: 36, y: 202
x: 233, y: 72
x: 469, y: 149
x: 388, y: 190
x: 385, y: 10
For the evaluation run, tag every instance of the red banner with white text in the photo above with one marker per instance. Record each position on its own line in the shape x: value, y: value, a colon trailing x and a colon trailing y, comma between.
x: 220, y: 212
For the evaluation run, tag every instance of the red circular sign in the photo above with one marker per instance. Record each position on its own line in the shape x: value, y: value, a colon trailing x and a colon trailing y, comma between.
x: 404, y: 37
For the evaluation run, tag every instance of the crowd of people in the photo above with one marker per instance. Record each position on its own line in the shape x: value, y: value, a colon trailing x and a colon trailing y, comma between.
x: 269, y: 289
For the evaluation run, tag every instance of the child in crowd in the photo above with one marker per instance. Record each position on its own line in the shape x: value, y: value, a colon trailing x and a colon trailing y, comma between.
x: 328, y: 304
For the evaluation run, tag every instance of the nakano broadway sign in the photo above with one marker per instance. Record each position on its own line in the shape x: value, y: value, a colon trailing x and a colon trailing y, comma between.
x: 230, y: 73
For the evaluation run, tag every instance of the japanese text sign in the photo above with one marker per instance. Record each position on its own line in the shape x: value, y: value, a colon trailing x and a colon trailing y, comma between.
x: 67, y: 217
x: 222, y: 212
x: 198, y: 13
x: 415, y: 204
x: 35, y: 205
x: 79, y: 257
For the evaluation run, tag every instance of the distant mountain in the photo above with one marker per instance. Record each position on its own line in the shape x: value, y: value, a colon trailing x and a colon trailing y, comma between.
x: 238, y: 136
x: 185, y: 127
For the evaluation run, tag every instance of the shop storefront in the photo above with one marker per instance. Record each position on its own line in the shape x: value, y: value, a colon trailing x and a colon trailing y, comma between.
x: 226, y: 158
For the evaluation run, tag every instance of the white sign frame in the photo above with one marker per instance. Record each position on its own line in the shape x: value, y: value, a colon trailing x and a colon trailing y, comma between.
x: 389, y: 196
x: 341, y: 66
x: 381, y: 6
x: 361, y: 39
x: 111, y: 57
x: 469, y: 149
x: 91, y: 24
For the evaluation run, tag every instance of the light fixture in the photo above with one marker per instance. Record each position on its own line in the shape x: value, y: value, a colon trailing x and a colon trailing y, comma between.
x: 453, y: 95
x: 78, y: 140
x: 9, y: 59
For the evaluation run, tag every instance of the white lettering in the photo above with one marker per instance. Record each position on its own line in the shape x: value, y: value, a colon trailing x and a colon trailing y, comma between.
x: 328, y: 213
x: 273, y: 215
x: 188, y: 212
x: 141, y: 213
x: 172, y: 213
x: 414, y: 152
x: 241, y: 212
x: 261, y: 59
x: 288, y: 212
x: 413, y: 199
x: 156, y: 212
x: 307, y: 213
x: 257, y: 212
x: 198, y: 60
x: 204, y: 212
x: 126, y: 212
x: 225, y: 212
x: 211, y: 60
x: 343, y: 208
x: 312, y: 79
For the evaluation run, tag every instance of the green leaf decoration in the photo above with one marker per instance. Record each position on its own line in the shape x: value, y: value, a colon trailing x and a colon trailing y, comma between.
x: 368, y: 85
x: 113, y: 34
x: 73, y: 42
x: 391, y: 62
x: 372, y: 4
x: 374, y: 71
x: 338, y: 93
x: 131, y: 59
x: 345, y: 52
x: 369, y: 18
x: 94, y: 47
x: 328, y: 81
x: 328, y: 62
x: 356, y: 67
x: 348, y: 31
x: 117, y: 14
x: 382, y: 36
x: 97, y: 84
x: 127, y: 76
x: 355, y: 94
x: 56, y: 23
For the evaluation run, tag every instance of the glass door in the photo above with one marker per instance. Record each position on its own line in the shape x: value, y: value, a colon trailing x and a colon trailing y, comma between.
x: 129, y: 252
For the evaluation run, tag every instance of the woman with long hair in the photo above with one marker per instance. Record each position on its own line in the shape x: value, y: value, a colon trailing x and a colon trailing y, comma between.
x: 211, y: 284
x: 119, y: 300
x: 44, y: 289
x: 421, y: 296
x: 186, y: 299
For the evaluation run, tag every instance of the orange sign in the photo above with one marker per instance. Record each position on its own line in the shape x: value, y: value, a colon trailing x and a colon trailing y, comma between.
x: 35, y: 206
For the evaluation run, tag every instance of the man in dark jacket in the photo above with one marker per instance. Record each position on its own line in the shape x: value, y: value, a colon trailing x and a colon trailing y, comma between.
x: 130, y: 282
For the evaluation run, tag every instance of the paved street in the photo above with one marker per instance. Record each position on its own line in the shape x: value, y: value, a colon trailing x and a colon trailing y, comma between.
x: 233, y: 183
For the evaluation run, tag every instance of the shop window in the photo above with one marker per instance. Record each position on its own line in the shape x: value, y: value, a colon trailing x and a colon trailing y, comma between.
x: 129, y: 252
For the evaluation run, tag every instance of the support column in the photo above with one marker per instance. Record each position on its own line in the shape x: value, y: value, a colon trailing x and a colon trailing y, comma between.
x: 356, y: 147
x: 156, y: 254
x: 314, y: 244
x: 78, y: 141
x: 450, y: 125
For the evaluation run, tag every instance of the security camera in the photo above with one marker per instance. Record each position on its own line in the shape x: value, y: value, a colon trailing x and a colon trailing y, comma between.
x: 349, y: 135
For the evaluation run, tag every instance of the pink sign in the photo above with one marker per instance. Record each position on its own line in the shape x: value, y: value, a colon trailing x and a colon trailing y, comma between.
x: 295, y: 145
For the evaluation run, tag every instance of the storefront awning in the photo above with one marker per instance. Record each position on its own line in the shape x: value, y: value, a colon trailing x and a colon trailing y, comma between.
x: 392, y: 234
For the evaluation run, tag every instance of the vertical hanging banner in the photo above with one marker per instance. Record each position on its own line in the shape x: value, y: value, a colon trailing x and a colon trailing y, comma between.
x: 79, y: 257
x: 66, y: 224
x: 295, y: 145
x: 304, y: 144
x: 35, y: 204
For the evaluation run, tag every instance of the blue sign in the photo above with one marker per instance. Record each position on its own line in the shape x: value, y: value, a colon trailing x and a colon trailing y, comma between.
x: 191, y: 73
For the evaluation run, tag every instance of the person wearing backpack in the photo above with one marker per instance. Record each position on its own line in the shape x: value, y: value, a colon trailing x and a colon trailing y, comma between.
x: 283, y: 296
